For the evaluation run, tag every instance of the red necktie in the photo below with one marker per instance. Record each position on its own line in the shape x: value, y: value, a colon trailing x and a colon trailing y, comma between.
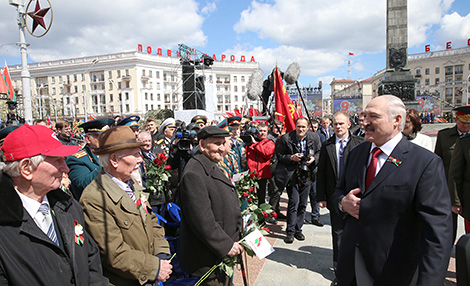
x: 370, y: 175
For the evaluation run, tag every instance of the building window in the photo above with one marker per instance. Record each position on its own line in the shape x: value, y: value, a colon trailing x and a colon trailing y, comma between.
x: 243, y: 78
x: 449, y: 71
x: 143, y: 72
x: 110, y: 74
x: 127, y: 96
x: 150, y: 73
x: 418, y: 72
x: 146, y: 96
x: 459, y: 69
x: 437, y: 70
x: 146, y: 107
x: 235, y: 97
x: 426, y: 81
x: 226, y: 107
x: 235, y: 78
x: 111, y: 98
x: 426, y: 71
x: 75, y: 88
x: 75, y: 77
x: 127, y: 84
x: 235, y: 88
x: 127, y: 72
x: 119, y: 85
x: 157, y: 74
x: 118, y: 73
x: 127, y: 108
x: 53, y: 79
x: 76, y: 100
x: 158, y: 98
x: 151, y: 96
x: 436, y: 81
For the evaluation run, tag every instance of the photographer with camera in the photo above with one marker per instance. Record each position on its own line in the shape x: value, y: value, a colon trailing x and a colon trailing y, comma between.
x: 183, y: 146
x: 298, y: 153
x: 258, y: 156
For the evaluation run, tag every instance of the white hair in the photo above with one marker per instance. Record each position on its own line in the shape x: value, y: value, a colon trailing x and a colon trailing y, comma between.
x: 142, y: 134
x: 12, y: 169
x: 104, y: 158
x: 396, y: 107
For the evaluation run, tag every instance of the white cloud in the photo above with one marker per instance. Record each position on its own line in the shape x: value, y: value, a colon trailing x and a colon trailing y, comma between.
x: 454, y: 28
x: 93, y: 27
x: 210, y: 8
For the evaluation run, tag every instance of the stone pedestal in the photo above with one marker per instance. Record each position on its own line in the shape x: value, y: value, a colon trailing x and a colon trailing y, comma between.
x: 401, y: 84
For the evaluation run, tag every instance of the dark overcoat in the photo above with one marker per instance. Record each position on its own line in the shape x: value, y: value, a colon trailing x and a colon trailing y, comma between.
x: 404, y: 231
x: 459, y: 176
x: 211, y: 219
x: 29, y: 257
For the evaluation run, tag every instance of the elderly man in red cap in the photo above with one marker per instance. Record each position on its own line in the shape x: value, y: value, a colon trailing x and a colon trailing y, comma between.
x: 42, y: 240
x: 132, y: 244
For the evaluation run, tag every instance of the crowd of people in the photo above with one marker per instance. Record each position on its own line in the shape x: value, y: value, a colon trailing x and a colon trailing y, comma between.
x: 79, y: 210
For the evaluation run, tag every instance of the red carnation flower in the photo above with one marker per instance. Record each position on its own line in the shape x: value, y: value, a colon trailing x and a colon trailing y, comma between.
x: 250, y: 190
x: 252, y: 175
x: 245, y: 194
x: 265, y: 214
x: 167, y: 167
x: 266, y: 229
x: 250, y: 199
x: 274, y: 214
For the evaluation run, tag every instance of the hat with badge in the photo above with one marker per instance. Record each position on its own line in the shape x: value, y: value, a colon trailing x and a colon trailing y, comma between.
x: 168, y: 123
x: 97, y: 126
x: 463, y: 113
x: 212, y: 131
x: 31, y: 140
x: 131, y: 121
x: 234, y: 120
x: 199, y: 119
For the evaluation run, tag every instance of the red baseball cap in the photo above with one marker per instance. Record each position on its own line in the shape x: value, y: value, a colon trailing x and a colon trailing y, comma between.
x: 31, y: 140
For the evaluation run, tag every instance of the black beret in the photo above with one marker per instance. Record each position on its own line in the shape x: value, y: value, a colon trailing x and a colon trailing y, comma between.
x: 212, y: 131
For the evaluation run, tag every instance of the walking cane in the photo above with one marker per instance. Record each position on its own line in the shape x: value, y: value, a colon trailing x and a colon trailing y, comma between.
x: 242, y: 267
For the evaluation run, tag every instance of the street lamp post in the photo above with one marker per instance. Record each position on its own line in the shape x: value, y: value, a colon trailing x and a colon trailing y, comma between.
x: 118, y: 98
x: 85, y: 107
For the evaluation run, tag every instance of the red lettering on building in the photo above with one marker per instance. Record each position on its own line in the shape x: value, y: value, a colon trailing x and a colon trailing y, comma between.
x: 178, y: 54
x: 468, y: 42
x: 214, y: 57
x: 449, y: 45
x: 427, y: 48
x: 159, y: 52
x: 149, y: 49
x: 222, y: 58
x: 242, y: 59
x: 232, y: 58
x: 168, y: 53
x: 139, y: 47
x: 253, y: 59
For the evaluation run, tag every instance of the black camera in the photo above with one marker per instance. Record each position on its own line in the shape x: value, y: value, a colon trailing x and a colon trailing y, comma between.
x: 304, y: 158
x: 249, y: 130
x: 185, y: 137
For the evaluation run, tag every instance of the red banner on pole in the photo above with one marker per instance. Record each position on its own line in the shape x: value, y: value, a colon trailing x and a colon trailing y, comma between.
x: 285, y: 108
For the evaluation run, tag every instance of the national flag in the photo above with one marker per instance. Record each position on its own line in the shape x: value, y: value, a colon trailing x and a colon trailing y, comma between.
x: 259, y: 244
x: 248, y: 222
x: 92, y: 117
x: 11, y: 90
x: 49, y: 122
x: 351, y: 54
x: 3, y: 85
x: 285, y: 109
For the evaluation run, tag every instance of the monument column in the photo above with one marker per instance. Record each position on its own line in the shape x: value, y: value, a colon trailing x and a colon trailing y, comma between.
x: 398, y: 79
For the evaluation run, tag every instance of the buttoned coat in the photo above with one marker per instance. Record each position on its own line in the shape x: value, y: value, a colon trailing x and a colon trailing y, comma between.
x: 128, y: 238
x: 211, y: 219
x: 29, y: 257
x: 404, y: 231
x: 84, y: 167
x: 459, y: 175
x: 445, y: 144
x: 287, y: 146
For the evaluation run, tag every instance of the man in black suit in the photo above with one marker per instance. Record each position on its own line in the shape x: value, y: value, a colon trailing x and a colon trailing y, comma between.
x: 360, y: 131
x: 396, y: 204
x: 325, y: 131
x: 330, y: 169
x: 298, y: 153
x: 211, y: 221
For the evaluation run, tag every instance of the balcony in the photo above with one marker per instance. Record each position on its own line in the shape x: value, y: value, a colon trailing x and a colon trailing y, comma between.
x: 145, y: 78
x: 127, y: 78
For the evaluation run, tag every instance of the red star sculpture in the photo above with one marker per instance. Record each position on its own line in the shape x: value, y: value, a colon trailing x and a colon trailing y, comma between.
x: 38, y: 16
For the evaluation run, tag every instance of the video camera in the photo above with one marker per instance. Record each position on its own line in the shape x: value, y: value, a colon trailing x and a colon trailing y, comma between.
x: 185, y: 136
x: 249, y: 130
x: 303, y: 167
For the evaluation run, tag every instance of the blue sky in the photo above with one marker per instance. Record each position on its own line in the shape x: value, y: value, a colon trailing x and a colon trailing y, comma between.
x: 317, y: 34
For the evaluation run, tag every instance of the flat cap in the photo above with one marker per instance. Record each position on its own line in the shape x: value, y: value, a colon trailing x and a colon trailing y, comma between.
x: 212, y: 131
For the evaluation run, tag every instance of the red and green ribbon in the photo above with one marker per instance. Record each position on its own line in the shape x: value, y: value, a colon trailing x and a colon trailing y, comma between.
x: 394, y: 161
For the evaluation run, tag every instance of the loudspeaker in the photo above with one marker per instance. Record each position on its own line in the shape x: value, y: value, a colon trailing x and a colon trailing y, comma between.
x: 193, y: 88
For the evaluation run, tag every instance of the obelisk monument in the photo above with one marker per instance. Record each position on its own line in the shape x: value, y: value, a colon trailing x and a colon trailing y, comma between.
x: 398, y: 79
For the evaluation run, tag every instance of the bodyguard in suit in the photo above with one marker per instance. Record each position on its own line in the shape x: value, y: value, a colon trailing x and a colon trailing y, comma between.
x: 84, y: 165
x: 42, y: 236
x: 333, y: 155
x: 298, y: 153
x: 211, y: 218
x: 396, y: 204
x: 360, y: 120
x: 445, y: 145
x: 117, y: 214
x: 325, y: 131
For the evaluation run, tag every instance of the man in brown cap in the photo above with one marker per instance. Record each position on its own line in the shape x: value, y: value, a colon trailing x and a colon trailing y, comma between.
x: 211, y: 220
x: 132, y: 244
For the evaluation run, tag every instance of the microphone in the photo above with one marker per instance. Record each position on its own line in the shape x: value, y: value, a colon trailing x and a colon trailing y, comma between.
x: 292, y: 73
x: 254, y: 86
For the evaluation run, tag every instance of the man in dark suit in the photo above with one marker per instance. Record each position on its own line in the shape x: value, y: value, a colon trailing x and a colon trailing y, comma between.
x: 445, y: 145
x: 325, y: 131
x: 211, y: 220
x: 84, y: 166
x: 330, y: 170
x: 360, y: 120
x: 396, y: 204
x: 298, y: 153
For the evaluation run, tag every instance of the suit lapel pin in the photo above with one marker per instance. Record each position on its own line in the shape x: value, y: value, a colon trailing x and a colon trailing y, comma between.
x: 394, y: 161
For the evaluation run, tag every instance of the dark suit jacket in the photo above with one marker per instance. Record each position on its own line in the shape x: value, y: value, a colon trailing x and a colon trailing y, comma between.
x: 211, y: 219
x: 327, y: 174
x: 459, y: 176
x: 404, y: 231
x: 29, y: 257
x: 286, y: 146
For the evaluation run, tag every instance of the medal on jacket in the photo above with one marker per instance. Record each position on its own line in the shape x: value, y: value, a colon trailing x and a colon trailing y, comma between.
x: 79, y: 239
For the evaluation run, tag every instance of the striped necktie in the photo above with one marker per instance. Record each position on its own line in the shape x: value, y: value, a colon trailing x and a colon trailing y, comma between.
x: 342, y: 146
x: 130, y: 192
x: 47, y: 221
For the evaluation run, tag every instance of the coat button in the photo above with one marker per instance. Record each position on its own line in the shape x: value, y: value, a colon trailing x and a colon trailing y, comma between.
x: 72, y: 281
x: 358, y: 244
x: 143, y: 277
x: 126, y: 222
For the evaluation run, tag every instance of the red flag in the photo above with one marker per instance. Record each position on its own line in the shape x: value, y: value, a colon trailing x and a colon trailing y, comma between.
x: 3, y: 85
x: 6, y: 76
x: 351, y: 54
x: 285, y: 109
